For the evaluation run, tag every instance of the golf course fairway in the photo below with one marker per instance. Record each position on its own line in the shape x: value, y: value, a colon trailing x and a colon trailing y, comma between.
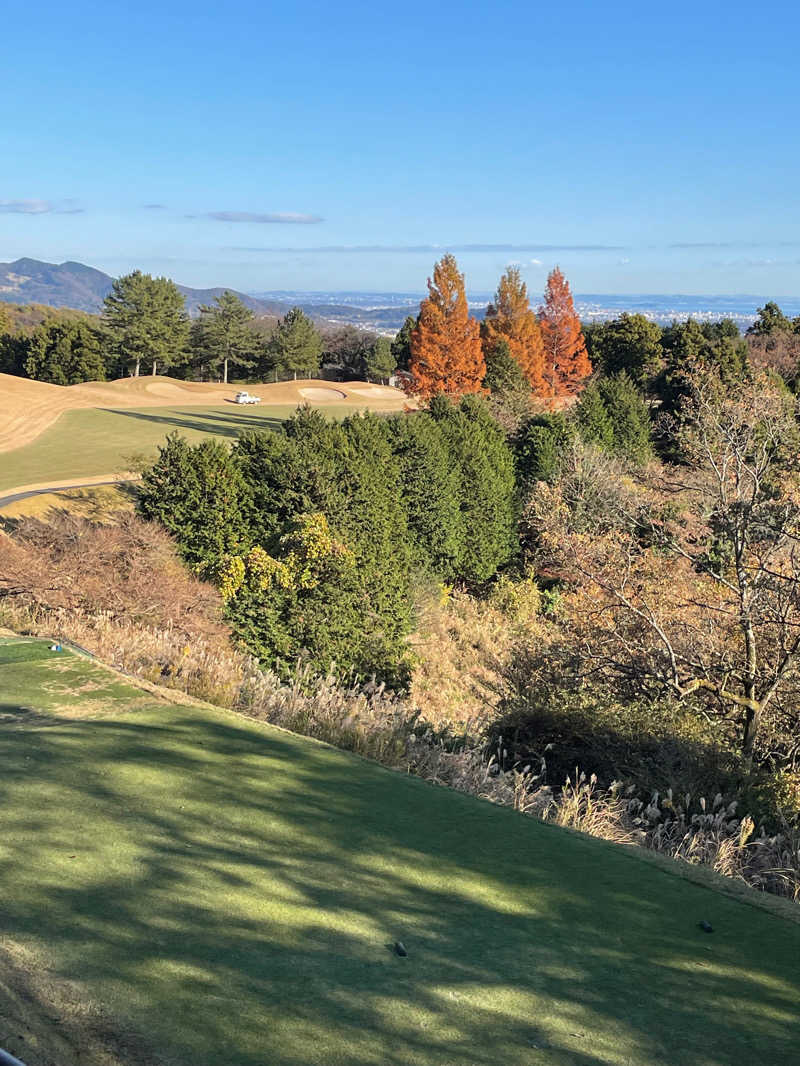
x: 179, y: 885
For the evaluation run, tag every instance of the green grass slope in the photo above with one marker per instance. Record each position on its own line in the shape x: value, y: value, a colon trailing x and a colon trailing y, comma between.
x: 189, y: 887
x: 86, y: 443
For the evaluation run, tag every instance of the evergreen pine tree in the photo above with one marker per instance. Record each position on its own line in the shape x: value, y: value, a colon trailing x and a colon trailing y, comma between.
x: 65, y: 353
x: 401, y: 345
x: 430, y: 486
x: 223, y: 337
x: 379, y: 360
x: 629, y: 418
x: 147, y: 322
x: 592, y: 419
x: 195, y: 492
x: 296, y: 345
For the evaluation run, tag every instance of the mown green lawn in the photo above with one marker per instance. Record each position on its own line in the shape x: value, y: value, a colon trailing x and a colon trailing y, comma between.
x: 229, y: 893
x: 91, y: 442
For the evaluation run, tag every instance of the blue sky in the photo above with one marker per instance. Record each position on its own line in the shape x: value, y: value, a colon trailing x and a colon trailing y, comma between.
x: 644, y: 148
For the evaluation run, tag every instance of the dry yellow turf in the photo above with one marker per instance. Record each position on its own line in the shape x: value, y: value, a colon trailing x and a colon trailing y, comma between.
x: 29, y: 407
x: 54, y: 436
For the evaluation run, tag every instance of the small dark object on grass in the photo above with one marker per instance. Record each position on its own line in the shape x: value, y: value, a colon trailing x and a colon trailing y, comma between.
x: 706, y: 926
x: 400, y: 950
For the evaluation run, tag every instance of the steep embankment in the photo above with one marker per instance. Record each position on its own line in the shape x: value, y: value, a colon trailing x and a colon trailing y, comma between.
x: 180, y: 885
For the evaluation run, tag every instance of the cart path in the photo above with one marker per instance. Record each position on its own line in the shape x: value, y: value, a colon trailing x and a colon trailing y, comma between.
x: 24, y: 492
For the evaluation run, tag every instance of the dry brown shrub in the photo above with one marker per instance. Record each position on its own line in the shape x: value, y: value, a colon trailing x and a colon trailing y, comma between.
x: 127, y: 572
x: 463, y: 646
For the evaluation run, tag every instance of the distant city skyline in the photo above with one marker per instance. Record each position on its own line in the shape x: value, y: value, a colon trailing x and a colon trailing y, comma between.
x: 324, y: 148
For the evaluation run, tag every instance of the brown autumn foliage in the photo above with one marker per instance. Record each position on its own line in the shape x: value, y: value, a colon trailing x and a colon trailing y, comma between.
x: 127, y: 572
x: 688, y: 581
x: 446, y: 353
x: 566, y: 362
x: 777, y: 352
x: 510, y: 318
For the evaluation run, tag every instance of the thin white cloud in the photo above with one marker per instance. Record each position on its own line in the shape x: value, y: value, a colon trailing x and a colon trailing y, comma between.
x: 25, y: 207
x: 273, y: 217
x: 430, y: 249
x: 40, y: 207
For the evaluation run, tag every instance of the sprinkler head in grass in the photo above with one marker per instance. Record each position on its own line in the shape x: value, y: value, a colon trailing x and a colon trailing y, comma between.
x: 400, y: 949
x: 706, y: 926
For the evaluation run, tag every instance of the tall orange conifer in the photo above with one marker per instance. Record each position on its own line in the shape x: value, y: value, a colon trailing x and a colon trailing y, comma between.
x: 510, y: 318
x: 566, y: 361
x: 446, y: 354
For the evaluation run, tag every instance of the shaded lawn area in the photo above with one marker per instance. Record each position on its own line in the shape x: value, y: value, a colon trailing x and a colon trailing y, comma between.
x: 89, y: 442
x: 229, y: 893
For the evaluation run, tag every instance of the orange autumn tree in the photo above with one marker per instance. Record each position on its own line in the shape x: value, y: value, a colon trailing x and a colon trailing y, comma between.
x: 446, y: 353
x: 510, y: 318
x: 566, y: 363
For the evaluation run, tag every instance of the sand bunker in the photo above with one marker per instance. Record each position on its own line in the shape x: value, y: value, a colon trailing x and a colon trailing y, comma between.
x: 381, y: 391
x: 27, y: 407
x: 165, y: 390
x: 320, y: 394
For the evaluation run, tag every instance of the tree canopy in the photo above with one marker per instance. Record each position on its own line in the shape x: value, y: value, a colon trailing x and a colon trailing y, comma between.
x: 65, y: 353
x: 296, y: 345
x: 446, y: 355
x: 147, y: 322
x: 222, y: 336
x: 566, y: 363
x: 379, y: 360
x: 510, y: 318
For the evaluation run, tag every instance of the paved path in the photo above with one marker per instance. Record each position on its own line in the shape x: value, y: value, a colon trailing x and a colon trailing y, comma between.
x: 6, y: 501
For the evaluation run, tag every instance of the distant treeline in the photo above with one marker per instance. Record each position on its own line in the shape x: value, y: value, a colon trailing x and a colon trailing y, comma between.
x: 515, y: 351
x: 145, y: 329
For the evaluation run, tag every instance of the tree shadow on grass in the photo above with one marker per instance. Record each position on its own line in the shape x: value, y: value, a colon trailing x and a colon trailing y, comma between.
x: 220, y: 424
x: 230, y: 891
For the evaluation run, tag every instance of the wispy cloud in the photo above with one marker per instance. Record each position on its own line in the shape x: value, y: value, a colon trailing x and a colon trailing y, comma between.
x: 25, y: 207
x: 273, y: 217
x: 40, y: 207
x: 706, y: 245
x: 430, y: 249
x: 731, y: 245
x: 154, y: 207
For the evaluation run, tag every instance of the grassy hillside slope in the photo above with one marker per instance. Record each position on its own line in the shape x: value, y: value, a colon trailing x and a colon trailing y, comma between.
x: 91, y: 442
x: 28, y: 408
x: 177, y: 878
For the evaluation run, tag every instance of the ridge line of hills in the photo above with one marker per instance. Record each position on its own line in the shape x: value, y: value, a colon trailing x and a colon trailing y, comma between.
x: 83, y: 288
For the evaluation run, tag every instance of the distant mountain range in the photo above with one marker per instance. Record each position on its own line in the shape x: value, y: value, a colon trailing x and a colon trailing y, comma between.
x: 83, y: 288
